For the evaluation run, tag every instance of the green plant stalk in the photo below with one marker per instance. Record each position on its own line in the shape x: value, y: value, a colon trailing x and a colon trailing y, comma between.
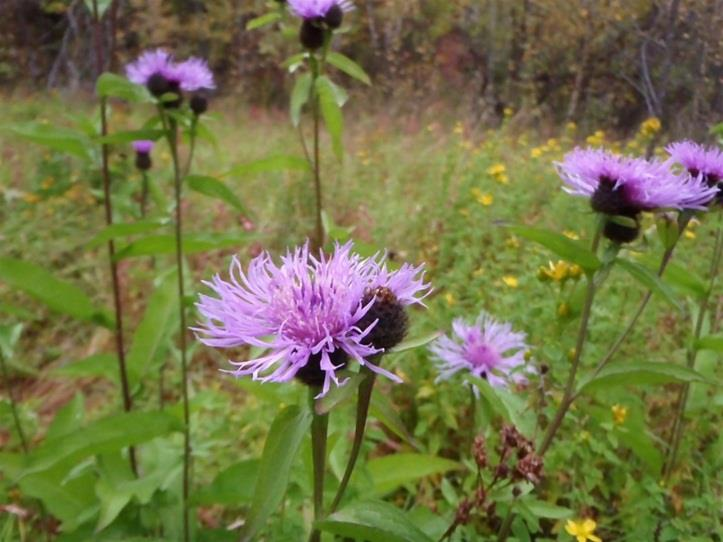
x: 319, y: 433
x: 691, y: 356
x: 568, y: 394
x: 144, y: 194
x: 192, y: 145
x: 115, y: 281
x: 171, y: 130
x: 366, y: 387
x: 13, y: 404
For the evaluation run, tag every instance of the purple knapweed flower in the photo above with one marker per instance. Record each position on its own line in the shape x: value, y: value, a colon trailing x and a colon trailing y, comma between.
x: 149, y: 64
x: 487, y: 349
x: 700, y: 161
x: 318, y: 9
x: 311, y: 314
x: 193, y: 74
x: 143, y: 146
x: 624, y: 187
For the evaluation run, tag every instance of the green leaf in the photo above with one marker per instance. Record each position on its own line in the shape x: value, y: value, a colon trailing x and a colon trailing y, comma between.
x: 110, y: 85
x: 372, y: 521
x: 97, y: 365
x: 639, y: 441
x: 9, y: 337
x: 58, y: 295
x: 265, y: 165
x: 231, y: 487
x: 282, y: 445
x: 153, y: 328
x: 123, y: 230
x: 542, y: 509
x: 299, y: 97
x: 56, y: 138
x: 511, y: 407
x: 103, y: 435
x: 338, y: 394
x: 650, y: 281
x: 102, y: 5
x: 129, y: 136
x: 391, y: 471
x: 572, y: 251
x: 68, y: 419
x: 19, y: 312
x: 411, y: 344
x: 684, y: 279
x: 212, y: 187
x: 383, y: 410
x: 710, y: 342
x: 348, y: 66
x: 156, y: 245
x: 331, y: 112
x: 621, y: 374
x: 263, y: 20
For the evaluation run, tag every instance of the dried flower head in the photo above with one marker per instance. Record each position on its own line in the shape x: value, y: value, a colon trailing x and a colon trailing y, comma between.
x: 308, y: 313
x: 488, y: 349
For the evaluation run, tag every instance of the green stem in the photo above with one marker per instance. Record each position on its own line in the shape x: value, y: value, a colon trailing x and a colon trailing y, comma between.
x: 366, y: 386
x: 172, y: 136
x: 192, y: 145
x: 144, y: 194
x: 319, y: 430
x: 13, y: 404
x: 579, y: 345
x: 318, y: 198
x: 692, y: 354
x: 108, y: 206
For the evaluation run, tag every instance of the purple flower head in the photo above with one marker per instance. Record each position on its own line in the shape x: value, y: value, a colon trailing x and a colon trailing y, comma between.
x: 193, y: 74
x: 318, y: 9
x: 150, y: 63
x: 699, y: 161
x: 143, y: 146
x: 618, y: 185
x: 308, y: 313
x: 488, y: 349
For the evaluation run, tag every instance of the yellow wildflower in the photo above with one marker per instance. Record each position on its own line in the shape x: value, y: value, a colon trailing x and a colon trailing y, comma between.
x: 536, y: 152
x: 650, y: 127
x: 583, y: 530
x: 30, y: 197
x: 450, y: 299
x: 563, y: 310
x: 512, y: 242
x: 620, y: 413
x: 47, y: 183
x: 596, y: 139
x: 502, y: 179
x: 571, y: 235
x: 478, y: 272
x: 496, y: 170
x: 689, y: 234
x: 571, y: 126
x: 508, y: 112
x: 511, y: 281
x: 485, y: 199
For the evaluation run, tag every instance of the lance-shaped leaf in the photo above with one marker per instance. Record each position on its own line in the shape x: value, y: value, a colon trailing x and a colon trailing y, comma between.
x: 129, y: 136
x: 123, y: 230
x: 58, y: 295
x: 392, y: 471
x: 348, y: 66
x: 299, y: 97
x: 263, y: 20
x: 156, y: 245
x: 642, y: 372
x: 56, y: 138
x: 572, y: 251
x: 328, y: 96
x: 213, y: 188
x: 649, y: 280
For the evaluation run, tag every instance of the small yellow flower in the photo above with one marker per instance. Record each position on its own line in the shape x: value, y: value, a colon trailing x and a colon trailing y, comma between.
x: 31, y: 198
x: 496, y: 169
x: 477, y: 273
x: 650, y: 127
x: 502, y: 179
x: 450, y: 299
x: 596, y: 139
x: 511, y: 281
x: 485, y: 199
x: 689, y: 234
x: 583, y: 436
x: 536, y: 152
x: 571, y: 235
x: 47, y: 183
x: 512, y: 242
x: 464, y: 212
x: 508, y: 112
x: 563, y: 310
x: 571, y: 126
x: 583, y: 530
x: 620, y: 413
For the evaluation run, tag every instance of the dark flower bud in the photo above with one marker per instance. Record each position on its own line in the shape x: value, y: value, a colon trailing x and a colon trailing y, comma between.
x: 544, y: 368
x: 463, y: 511
x: 529, y: 468
x: 480, y: 496
x: 502, y: 471
x: 158, y: 85
x: 312, y: 375
x: 311, y: 35
x: 391, y: 318
x: 516, y: 492
x: 173, y: 102
x: 334, y: 17
x: 621, y: 233
x: 143, y: 161
x: 479, y: 450
x: 198, y: 104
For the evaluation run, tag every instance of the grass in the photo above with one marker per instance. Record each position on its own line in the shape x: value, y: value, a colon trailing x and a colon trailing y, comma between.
x: 435, y: 191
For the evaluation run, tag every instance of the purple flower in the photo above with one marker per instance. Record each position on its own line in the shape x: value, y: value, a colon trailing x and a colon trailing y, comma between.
x: 618, y: 185
x: 193, y: 74
x: 488, y: 349
x: 150, y: 63
x: 318, y: 9
x: 309, y: 314
x: 143, y: 146
x: 699, y: 161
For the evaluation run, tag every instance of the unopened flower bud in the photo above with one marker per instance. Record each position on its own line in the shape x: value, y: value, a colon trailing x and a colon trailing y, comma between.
x: 311, y: 35
x: 198, y: 104
x: 334, y: 17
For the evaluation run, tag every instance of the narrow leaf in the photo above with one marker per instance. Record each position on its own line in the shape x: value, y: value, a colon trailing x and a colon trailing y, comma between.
x: 232, y: 486
x: 111, y: 85
x: 157, y: 245
x: 212, y: 187
x: 263, y: 20
x: 58, y: 295
x: 282, y: 445
x: 383, y: 410
x: 572, y: 251
x: 123, y: 230
x: 56, y: 138
x: 621, y: 374
x: 649, y: 280
x: 710, y: 342
x: 392, y: 471
x: 416, y: 342
x: 348, y: 66
x: 129, y: 136
x: 97, y: 365
x: 331, y: 112
x: 299, y: 97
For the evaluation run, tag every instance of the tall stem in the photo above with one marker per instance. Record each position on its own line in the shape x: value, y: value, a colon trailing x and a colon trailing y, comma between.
x: 319, y: 430
x: 115, y: 282
x: 172, y: 135
x: 366, y: 386
x: 13, y: 404
x: 144, y: 194
x: 692, y: 355
x: 319, y: 227
x: 579, y: 345
x: 192, y: 145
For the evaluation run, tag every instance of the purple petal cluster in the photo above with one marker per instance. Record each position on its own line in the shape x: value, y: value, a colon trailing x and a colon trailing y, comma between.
x: 634, y: 184
x: 315, y: 9
x: 190, y: 75
x: 143, y: 146
x: 487, y: 349
x: 303, y: 312
x: 699, y: 161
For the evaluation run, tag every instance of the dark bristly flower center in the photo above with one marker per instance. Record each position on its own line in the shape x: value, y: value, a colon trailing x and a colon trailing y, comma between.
x: 311, y: 34
x: 199, y: 104
x: 334, y: 17
x: 311, y: 373
x: 612, y: 201
x: 711, y: 180
x: 158, y: 85
x: 621, y: 233
x: 392, y: 319
x: 143, y: 161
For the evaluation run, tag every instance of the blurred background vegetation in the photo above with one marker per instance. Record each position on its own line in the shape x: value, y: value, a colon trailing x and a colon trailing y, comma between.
x: 599, y: 63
